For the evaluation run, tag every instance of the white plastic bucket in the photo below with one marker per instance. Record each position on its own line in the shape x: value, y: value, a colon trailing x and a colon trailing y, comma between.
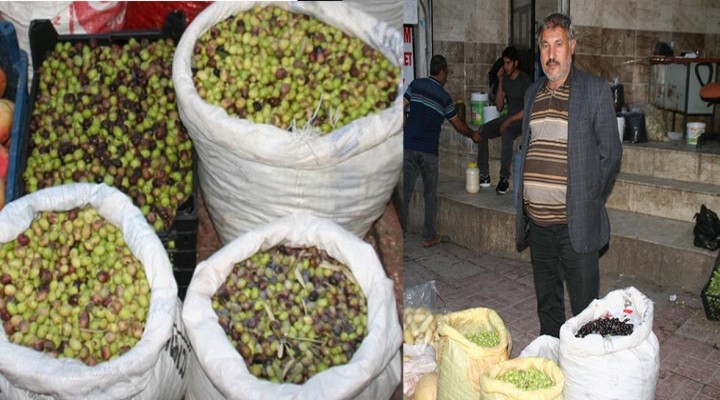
x: 490, y: 113
x: 694, y: 129
x: 477, y: 104
x: 621, y: 127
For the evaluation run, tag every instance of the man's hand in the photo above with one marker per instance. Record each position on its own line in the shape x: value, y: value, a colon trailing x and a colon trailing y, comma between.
x: 501, y: 73
x: 504, y: 126
x: 476, y: 136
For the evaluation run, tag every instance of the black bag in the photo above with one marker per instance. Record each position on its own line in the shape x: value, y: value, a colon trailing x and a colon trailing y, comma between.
x: 707, y: 229
x: 635, y: 131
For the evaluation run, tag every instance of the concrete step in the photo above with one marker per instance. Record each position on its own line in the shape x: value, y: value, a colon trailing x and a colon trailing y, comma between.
x: 662, y: 197
x: 667, y: 179
x: 669, y: 160
x: 673, y: 160
x: 652, y: 247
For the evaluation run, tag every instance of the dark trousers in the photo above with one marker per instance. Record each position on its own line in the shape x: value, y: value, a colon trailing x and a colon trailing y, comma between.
x: 491, y: 130
x: 426, y: 165
x: 555, y: 261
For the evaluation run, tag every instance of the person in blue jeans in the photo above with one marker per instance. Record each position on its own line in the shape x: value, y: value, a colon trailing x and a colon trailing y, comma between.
x: 426, y: 106
x: 511, y: 90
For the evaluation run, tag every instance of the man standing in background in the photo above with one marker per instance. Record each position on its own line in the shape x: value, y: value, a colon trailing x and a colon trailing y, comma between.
x: 426, y: 106
x: 570, y: 155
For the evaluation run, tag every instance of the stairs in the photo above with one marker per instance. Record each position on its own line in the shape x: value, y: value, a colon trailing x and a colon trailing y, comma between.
x: 660, y: 187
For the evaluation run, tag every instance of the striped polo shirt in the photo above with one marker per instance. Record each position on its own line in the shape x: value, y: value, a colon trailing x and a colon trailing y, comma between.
x: 546, y: 168
x: 430, y: 105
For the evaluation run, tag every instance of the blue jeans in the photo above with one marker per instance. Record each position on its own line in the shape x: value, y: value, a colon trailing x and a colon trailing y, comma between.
x: 425, y: 164
x: 555, y: 261
x: 491, y: 130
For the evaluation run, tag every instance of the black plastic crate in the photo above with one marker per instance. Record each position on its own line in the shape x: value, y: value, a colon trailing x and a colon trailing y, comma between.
x: 43, y: 38
x: 183, y: 265
x: 179, y: 241
x: 14, y: 62
x: 711, y: 301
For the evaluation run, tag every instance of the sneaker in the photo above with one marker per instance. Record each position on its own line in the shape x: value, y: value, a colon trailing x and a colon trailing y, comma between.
x: 502, y: 186
x: 431, y: 242
x: 484, y: 181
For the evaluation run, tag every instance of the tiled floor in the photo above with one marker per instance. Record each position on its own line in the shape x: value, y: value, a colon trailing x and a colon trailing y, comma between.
x: 689, y: 343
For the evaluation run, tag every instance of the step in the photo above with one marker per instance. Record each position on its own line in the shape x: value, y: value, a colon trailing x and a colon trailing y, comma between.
x: 651, y: 247
x: 670, y: 160
x: 673, y: 160
x: 662, y: 197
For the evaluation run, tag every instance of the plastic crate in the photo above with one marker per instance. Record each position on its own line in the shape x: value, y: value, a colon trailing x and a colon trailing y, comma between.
x: 15, y: 64
x: 43, y: 38
x: 711, y: 302
x: 179, y: 241
x: 183, y: 265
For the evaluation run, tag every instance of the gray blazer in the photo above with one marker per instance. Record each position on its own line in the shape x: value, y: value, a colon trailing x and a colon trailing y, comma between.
x: 594, y: 153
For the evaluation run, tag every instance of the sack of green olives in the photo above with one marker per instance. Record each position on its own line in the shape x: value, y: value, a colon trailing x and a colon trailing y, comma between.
x: 88, y: 302
x: 527, y: 378
x: 471, y: 342
x: 619, y: 346
x: 292, y: 107
x: 298, y: 308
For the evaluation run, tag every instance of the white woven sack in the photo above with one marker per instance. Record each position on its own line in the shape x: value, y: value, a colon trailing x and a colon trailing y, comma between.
x: 545, y: 346
x: 155, y: 367
x: 252, y: 174
x: 372, y: 373
x: 615, y: 367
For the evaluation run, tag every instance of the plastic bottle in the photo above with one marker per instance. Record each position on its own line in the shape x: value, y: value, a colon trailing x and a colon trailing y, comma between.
x: 472, y: 178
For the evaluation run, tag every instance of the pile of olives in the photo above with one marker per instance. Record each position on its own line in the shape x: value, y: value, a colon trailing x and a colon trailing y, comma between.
x: 108, y: 114
x: 292, y: 313
x: 272, y: 66
x: 70, y: 287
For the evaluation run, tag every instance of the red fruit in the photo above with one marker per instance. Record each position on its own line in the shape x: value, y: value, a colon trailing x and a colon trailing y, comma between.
x: 6, y: 119
x: 4, y: 163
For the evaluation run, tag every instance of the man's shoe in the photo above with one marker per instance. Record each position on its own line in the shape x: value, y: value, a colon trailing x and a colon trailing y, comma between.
x: 502, y: 186
x: 484, y: 181
x: 431, y: 242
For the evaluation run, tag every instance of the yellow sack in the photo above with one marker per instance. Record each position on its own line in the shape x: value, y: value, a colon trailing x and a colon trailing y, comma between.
x: 460, y: 361
x: 492, y: 388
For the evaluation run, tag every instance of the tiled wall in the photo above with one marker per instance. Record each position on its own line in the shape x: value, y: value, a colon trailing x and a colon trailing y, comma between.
x: 471, y: 34
x: 615, y: 37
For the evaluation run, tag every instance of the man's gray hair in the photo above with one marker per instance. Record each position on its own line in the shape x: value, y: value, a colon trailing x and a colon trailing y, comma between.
x: 556, y: 20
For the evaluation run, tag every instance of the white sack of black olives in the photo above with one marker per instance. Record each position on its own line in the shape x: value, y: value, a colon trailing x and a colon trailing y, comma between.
x: 611, y: 366
x: 277, y: 132
x: 298, y: 356
x: 76, y: 325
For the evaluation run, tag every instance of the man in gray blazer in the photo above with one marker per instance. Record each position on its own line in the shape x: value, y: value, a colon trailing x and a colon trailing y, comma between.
x: 570, y: 155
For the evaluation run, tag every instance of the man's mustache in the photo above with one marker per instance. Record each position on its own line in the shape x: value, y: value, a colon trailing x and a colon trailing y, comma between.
x: 552, y: 62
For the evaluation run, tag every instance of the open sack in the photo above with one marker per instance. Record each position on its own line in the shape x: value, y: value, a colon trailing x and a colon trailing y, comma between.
x: 625, y: 367
x: 155, y: 367
x: 492, y: 388
x: 220, y: 372
x: 252, y: 173
x: 462, y: 362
